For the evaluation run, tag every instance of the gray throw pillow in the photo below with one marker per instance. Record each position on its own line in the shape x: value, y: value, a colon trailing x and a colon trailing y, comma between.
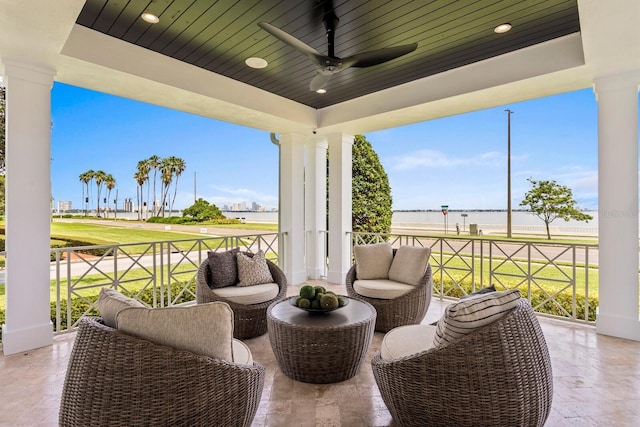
x: 223, y: 268
x: 110, y: 302
x: 409, y: 265
x: 253, y: 270
x: 465, y: 316
x: 204, y: 329
x: 373, y: 261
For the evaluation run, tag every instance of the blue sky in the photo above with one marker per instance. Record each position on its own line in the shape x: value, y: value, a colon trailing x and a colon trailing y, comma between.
x: 459, y: 161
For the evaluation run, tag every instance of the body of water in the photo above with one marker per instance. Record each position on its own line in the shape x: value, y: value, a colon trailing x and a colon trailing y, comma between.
x: 486, y: 221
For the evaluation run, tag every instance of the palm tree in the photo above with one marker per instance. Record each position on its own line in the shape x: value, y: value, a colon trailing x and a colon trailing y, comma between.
x: 85, y: 179
x: 143, y: 169
x: 178, y: 166
x: 153, y: 162
x: 110, y: 182
x: 140, y: 179
x: 166, y: 171
x: 100, y: 177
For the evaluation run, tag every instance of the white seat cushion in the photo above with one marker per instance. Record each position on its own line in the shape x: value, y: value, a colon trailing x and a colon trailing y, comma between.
x: 249, y: 294
x: 407, y: 340
x: 241, y: 353
x: 381, y: 288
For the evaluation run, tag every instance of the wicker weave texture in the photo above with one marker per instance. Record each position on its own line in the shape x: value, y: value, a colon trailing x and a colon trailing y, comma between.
x: 320, y: 355
x: 114, y: 379
x: 499, y: 375
x: 408, y: 309
x: 250, y: 320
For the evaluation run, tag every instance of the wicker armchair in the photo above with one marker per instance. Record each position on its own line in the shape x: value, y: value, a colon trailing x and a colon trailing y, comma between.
x: 408, y: 309
x: 250, y: 320
x: 499, y: 375
x: 114, y: 379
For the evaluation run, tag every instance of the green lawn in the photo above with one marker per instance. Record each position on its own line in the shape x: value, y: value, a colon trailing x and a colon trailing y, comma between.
x: 109, y: 235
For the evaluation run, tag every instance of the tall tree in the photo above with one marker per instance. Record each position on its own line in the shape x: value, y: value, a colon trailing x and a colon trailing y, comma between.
x: 371, y: 193
x: 550, y: 201
x: 178, y: 166
x: 140, y: 178
x: 153, y: 163
x: 110, y: 183
x: 166, y: 175
x: 143, y: 169
x: 99, y: 178
x: 85, y: 179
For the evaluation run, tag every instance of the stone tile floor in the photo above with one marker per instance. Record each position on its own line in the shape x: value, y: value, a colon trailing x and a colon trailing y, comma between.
x: 596, y: 383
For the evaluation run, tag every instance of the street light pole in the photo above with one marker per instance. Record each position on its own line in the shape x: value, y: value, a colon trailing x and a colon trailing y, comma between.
x: 509, y: 113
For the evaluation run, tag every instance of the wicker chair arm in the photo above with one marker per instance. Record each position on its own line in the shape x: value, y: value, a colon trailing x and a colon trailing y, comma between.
x: 117, y: 379
x: 497, y: 375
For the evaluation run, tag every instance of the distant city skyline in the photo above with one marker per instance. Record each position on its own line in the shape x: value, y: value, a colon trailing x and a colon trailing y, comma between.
x: 458, y: 161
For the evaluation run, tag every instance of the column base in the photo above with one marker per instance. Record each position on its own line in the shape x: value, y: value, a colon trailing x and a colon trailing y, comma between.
x: 337, y: 277
x: 315, y: 273
x: 616, y: 326
x: 20, y: 340
x: 296, y: 277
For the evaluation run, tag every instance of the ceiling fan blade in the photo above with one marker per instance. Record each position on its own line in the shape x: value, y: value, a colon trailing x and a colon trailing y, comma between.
x: 320, y: 80
x: 375, y: 57
x: 315, y: 56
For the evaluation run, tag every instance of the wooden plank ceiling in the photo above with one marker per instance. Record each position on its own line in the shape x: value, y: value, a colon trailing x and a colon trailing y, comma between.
x: 219, y: 36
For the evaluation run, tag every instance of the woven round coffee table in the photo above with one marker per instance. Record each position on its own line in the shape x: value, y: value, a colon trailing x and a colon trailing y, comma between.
x: 320, y: 348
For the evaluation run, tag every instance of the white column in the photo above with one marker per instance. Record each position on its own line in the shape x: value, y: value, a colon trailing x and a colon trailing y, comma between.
x: 340, y: 147
x: 28, y: 122
x: 316, y: 207
x: 292, y: 205
x: 618, y: 205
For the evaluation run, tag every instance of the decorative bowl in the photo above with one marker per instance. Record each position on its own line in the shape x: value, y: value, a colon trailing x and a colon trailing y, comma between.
x: 292, y: 301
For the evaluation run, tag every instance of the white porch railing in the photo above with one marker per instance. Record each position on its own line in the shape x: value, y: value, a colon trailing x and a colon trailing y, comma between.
x: 557, y: 278
x: 158, y: 274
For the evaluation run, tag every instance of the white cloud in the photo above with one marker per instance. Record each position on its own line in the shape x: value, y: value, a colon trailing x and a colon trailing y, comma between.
x: 432, y: 159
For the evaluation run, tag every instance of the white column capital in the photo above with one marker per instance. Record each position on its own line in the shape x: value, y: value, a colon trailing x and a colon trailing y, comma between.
x: 615, y: 82
x: 24, y: 71
x: 292, y: 138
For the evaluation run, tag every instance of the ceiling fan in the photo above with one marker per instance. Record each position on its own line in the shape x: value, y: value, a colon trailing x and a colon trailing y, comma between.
x: 329, y: 64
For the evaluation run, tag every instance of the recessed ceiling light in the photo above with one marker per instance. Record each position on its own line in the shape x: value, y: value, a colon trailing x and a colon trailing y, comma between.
x: 321, y: 91
x: 254, y: 62
x: 502, y: 28
x: 150, y: 18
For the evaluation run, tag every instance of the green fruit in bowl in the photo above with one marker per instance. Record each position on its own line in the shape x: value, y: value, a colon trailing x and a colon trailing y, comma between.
x: 329, y: 302
x: 303, y: 303
x: 308, y: 292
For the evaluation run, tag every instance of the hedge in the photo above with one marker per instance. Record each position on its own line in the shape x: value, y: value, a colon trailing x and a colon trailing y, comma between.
x: 563, y: 299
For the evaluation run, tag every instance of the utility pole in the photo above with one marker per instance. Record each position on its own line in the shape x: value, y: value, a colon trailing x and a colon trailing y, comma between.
x: 195, y: 199
x: 509, y: 113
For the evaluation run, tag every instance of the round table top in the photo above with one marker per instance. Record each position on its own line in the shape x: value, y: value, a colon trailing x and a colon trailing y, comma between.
x: 353, y: 313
